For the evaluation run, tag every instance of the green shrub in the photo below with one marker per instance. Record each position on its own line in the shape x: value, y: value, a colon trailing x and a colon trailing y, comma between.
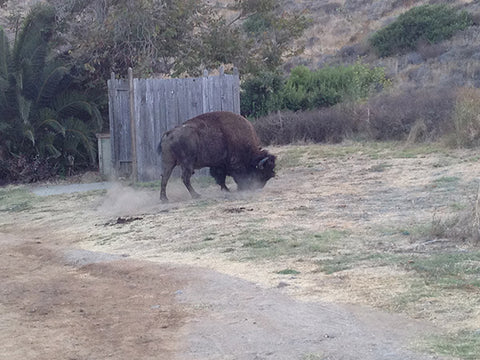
x: 306, y: 89
x: 256, y: 24
x: 430, y: 23
x: 260, y: 94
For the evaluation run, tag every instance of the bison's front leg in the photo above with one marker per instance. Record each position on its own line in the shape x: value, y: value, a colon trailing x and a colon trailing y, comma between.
x: 186, y: 175
x: 219, y: 174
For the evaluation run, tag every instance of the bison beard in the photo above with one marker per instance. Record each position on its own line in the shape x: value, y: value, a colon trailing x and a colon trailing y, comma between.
x: 225, y: 142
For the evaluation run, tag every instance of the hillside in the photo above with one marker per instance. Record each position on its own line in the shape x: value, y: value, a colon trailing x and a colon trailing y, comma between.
x: 340, y: 29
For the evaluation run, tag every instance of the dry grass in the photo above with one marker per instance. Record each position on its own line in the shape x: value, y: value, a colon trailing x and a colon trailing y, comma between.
x: 352, y: 220
x: 466, y: 118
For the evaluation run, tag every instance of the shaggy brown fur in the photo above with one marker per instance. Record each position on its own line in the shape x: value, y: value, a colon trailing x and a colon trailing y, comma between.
x: 225, y: 142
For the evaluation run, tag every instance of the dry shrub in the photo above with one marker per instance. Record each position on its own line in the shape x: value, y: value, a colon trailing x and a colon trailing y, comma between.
x: 331, y: 8
x: 466, y: 118
x: 25, y: 170
x: 422, y: 113
x: 462, y: 227
x: 414, y: 115
x: 430, y: 51
x: 322, y: 125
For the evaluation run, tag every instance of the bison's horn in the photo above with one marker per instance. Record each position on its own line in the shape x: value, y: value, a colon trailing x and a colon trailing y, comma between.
x: 262, y: 163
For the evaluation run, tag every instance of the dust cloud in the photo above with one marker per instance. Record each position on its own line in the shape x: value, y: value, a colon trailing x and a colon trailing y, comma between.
x: 122, y: 200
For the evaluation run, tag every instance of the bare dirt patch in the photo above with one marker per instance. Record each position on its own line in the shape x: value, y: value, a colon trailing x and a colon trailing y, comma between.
x: 292, y: 272
x: 105, y: 309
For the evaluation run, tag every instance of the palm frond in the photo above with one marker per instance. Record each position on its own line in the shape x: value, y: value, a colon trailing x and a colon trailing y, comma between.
x: 52, y: 150
x: 75, y: 104
x: 24, y: 107
x: 29, y: 134
x: 48, y: 119
x: 50, y: 85
x: 4, y: 55
x: 4, y: 72
x: 78, y: 136
x: 31, y: 48
x: 35, y: 34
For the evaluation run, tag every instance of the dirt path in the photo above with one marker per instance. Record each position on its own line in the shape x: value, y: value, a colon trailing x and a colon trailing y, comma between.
x: 58, y: 303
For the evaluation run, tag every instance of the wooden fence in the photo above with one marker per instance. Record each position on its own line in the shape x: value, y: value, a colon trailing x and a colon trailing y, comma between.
x: 141, y: 110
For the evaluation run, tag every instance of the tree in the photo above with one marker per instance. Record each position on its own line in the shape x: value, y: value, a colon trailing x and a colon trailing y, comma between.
x: 42, y: 115
x: 151, y: 36
x: 271, y: 33
x: 173, y: 37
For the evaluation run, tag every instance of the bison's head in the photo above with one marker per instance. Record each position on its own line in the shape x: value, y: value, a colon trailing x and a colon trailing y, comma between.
x: 262, y: 169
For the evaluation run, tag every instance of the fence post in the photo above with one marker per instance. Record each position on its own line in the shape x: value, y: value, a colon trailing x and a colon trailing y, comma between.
x: 132, y: 125
x: 205, y: 102
x: 111, y: 121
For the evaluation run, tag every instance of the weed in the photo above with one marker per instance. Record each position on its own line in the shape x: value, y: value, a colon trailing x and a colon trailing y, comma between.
x: 446, y: 180
x: 291, y: 158
x: 350, y: 261
x: 257, y: 244
x: 462, y: 345
x: 296, y: 242
x: 417, y: 292
x: 16, y: 199
x: 380, y: 167
x: 147, y: 185
x: 448, y: 270
x: 288, y: 272
x: 313, y: 357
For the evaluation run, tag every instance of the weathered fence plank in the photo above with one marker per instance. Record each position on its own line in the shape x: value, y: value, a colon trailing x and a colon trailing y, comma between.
x: 120, y: 130
x: 159, y: 105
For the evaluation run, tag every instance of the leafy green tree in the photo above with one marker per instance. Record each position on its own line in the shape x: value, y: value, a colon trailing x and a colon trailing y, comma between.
x: 431, y: 23
x: 42, y: 116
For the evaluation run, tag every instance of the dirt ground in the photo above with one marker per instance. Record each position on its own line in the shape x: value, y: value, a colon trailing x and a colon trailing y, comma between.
x: 116, y: 274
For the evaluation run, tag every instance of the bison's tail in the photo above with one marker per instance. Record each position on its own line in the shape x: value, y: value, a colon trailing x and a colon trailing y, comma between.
x: 159, y: 148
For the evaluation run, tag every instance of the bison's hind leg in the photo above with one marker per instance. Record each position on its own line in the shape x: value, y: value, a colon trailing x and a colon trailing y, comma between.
x: 163, y: 190
x: 187, y: 172
x: 167, y: 167
x: 219, y: 174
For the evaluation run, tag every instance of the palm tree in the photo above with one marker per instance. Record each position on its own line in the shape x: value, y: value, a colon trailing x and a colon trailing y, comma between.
x: 40, y: 113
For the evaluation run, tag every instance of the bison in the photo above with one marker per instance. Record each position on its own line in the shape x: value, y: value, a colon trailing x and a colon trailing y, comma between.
x: 225, y: 142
